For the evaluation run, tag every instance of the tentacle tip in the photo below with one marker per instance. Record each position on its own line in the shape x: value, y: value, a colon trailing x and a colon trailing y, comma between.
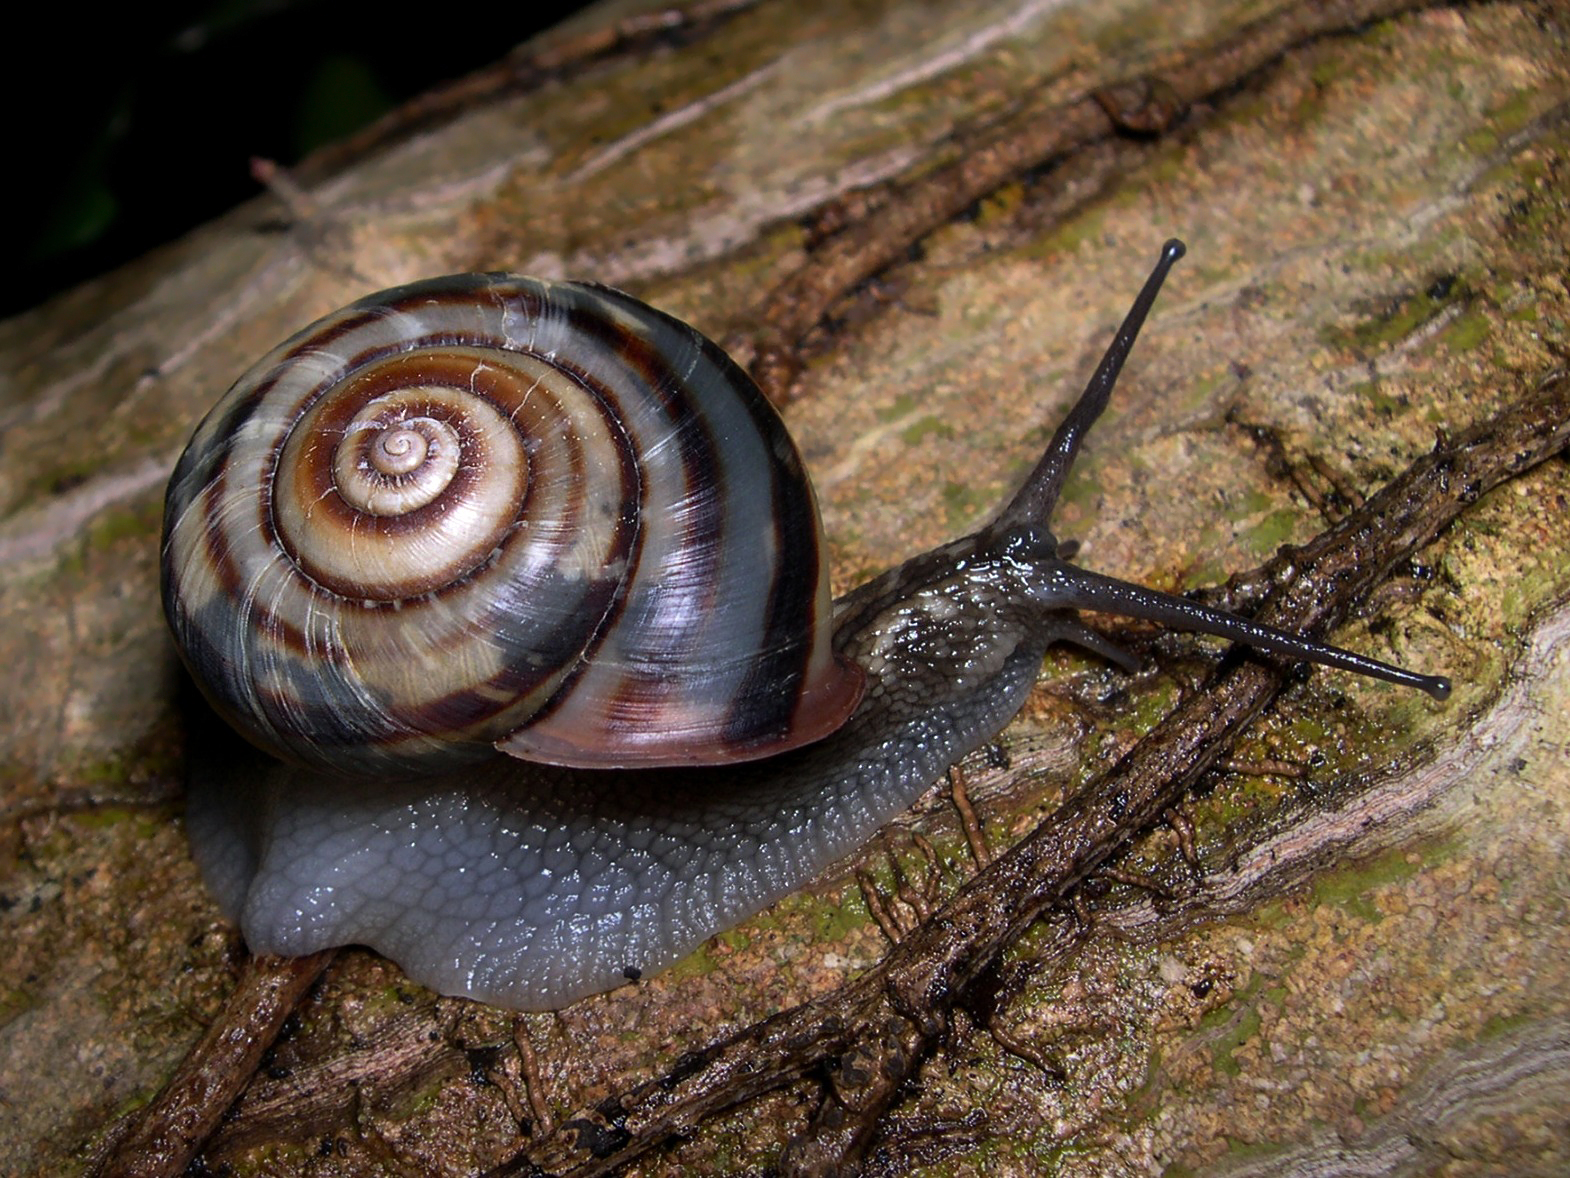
x: 1172, y: 250
x: 1437, y: 687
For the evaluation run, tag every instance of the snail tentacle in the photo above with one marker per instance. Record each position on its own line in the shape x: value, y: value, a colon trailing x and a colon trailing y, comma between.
x: 1034, y: 502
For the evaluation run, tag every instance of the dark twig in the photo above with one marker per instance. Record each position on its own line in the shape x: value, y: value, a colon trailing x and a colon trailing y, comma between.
x: 1347, y: 493
x: 300, y: 204
x: 878, y: 906
x: 916, y: 901
x: 871, y: 1035
x: 1134, y: 880
x: 932, y: 877
x: 1027, y: 1051
x: 533, y: 1081
x: 975, y: 836
x: 165, y: 1135
x: 1263, y: 767
x: 1183, y: 827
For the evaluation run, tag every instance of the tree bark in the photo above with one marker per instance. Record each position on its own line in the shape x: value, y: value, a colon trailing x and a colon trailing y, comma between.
x: 1336, y: 933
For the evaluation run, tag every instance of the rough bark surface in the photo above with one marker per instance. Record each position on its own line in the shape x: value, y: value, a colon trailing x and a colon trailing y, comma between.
x: 1347, y: 947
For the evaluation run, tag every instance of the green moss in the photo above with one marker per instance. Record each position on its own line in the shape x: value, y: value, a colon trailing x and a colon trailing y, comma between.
x: 144, y: 823
x: 110, y: 771
x: 1499, y: 1025
x: 832, y: 918
x: 136, y: 523
x: 1142, y: 1100
x: 1147, y: 710
x: 903, y: 406
x: 1273, y: 916
x: 1275, y: 530
x: 1466, y: 332
x: 1081, y: 490
x: 1207, y: 572
x: 1218, y: 1017
x: 1250, y: 503
x: 766, y: 921
x: 829, y: 920
x: 1067, y: 238
x: 69, y: 474
x: 697, y: 964
x: 1373, y: 392
x: 1233, y: 804
x: 425, y: 1099
x: 1239, y: 1033
x: 1503, y: 121
x: 1001, y: 205
x: 735, y: 940
x: 1389, y: 326
x: 924, y: 428
x: 1349, y: 889
x: 1483, y: 141
x: 161, y: 750
x: 1516, y: 111
x: 1244, y: 1150
x: 1168, y: 170
x: 833, y: 923
x: 962, y: 503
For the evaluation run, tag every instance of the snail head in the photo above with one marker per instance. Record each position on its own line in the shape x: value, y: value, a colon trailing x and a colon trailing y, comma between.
x: 1021, y: 534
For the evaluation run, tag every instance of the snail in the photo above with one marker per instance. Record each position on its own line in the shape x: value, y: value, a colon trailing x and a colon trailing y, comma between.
x: 519, y: 588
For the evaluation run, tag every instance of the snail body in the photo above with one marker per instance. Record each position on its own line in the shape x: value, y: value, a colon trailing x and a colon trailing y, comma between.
x: 529, y: 885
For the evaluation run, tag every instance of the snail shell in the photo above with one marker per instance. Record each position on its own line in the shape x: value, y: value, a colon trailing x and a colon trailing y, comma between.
x: 488, y: 511
x: 532, y: 885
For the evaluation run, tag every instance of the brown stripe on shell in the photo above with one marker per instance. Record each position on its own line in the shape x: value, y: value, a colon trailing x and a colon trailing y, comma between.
x: 634, y: 350
x: 219, y: 552
x: 468, y: 708
x: 224, y: 423
x: 787, y: 644
x: 217, y: 546
x: 643, y: 696
x: 438, y: 295
x: 786, y: 649
x: 324, y: 333
x: 319, y: 485
x: 697, y: 443
x: 459, y: 710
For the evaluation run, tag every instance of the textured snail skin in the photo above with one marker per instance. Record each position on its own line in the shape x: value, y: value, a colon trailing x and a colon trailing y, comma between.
x: 529, y: 886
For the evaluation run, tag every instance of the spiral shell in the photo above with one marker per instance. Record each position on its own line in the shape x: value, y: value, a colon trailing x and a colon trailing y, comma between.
x: 486, y: 511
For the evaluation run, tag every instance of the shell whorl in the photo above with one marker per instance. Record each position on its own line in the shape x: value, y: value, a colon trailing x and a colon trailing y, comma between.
x: 488, y: 511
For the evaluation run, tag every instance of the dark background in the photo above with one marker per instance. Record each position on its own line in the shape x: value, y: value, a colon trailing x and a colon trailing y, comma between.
x: 135, y: 123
